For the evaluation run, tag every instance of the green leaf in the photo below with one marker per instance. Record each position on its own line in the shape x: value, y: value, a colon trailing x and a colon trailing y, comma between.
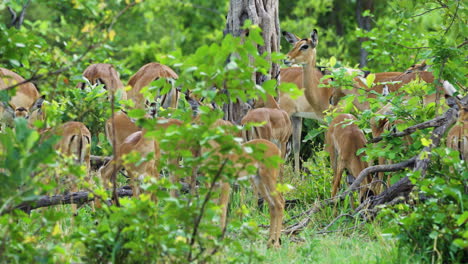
x: 137, y: 113
x: 370, y: 80
x: 462, y: 219
x: 332, y: 61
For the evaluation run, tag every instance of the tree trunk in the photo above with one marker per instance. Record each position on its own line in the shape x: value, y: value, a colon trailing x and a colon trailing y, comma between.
x: 365, y: 24
x: 263, y: 13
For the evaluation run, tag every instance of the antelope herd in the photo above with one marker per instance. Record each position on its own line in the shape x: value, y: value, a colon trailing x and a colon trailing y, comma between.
x: 280, y: 120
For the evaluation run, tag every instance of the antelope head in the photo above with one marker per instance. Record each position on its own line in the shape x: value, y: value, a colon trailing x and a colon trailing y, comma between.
x: 303, y: 51
x: 418, y: 67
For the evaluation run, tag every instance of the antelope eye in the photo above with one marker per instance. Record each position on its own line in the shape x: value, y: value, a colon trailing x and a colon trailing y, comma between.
x: 304, y: 47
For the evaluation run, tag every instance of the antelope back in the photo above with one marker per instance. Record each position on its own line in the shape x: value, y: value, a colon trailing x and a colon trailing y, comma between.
x: 119, y: 128
x: 147, y: 74
x: 104, y: 73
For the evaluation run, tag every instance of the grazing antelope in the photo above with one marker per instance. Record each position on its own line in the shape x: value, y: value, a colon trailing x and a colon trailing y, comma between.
x: 20, y: 104
x: 399, y: 79
x: 119, y: 128
x: 457, y: 137
x: 343, y: 139
x: 277, y: 127
x: 145, y: 147
x: 75, y: 141
x: 104, y: 73
x: 264, y: 183
x: 134, y: 142
x: 144, y: 76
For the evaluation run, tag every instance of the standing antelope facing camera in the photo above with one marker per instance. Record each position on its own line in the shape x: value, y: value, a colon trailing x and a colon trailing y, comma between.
x: 19, y: 104
x: 342, y: 140
x: 144, y: 76
x: 304, y: 53
x: 104, y: 73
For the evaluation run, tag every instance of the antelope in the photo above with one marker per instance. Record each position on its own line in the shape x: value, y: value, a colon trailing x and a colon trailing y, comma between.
x: 21, y: 103
x: 277, y: 127
x: 119, y: 128
x: 414, y: 72
x: 304, y: 53
x: 104, y: 73
x: 296, y: 108
x: 134, y: 141
x: 144, y: 76
x: 342, y: 140
x: 360, y: 84
x: 457, y: 137
x: 75, y: 141
x: 264, y: 183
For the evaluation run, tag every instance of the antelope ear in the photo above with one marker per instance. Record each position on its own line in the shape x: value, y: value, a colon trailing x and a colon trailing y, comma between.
x: 7, y: 107
x: 290, y: 37
x: 81, y: 85
x: 37, y: 104
x: 424, y: 66
x: 314, y: 37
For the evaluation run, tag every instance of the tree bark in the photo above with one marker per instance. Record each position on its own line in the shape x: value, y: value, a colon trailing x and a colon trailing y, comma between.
x: 263, y: 13
x: 364, y: 22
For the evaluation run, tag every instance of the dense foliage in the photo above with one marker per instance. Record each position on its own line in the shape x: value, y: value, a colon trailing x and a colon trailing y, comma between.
x: 59, y: 39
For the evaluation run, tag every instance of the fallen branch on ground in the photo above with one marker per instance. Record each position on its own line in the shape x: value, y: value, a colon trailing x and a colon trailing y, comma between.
x: 98, y: 161
x: 70, y: 198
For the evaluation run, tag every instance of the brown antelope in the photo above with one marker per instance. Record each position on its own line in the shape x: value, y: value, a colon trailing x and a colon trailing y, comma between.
x: 75, y: 141
x: 119, y: 128
x: 21, y: 103
x: 304, y: 53
x: 457, y: 137
x: 360, y: 84
x: 264, y: 183
x: 134, y: 141
x: 296, y: 108
x: 144, y: 76
x: 277, y: 127
x: 398, y: 79
x: 414, y: 72
x: 342, y: 140
x: 104, y: 73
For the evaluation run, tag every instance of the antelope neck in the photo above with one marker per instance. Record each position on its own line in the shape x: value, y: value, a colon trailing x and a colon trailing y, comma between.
x: 317, y: 97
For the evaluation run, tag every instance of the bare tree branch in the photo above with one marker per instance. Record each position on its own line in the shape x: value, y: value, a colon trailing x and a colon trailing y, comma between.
x: 453, y: 19
x: 406, y: 47
x: 438, y: 121
x: 428, y: 11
